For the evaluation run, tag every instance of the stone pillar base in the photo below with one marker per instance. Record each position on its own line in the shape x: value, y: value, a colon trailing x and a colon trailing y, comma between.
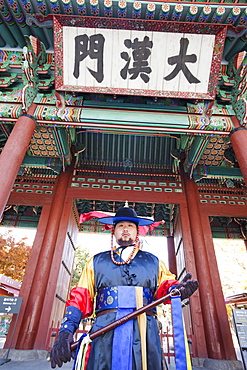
x: 24, y: 355
x: 210, y: 364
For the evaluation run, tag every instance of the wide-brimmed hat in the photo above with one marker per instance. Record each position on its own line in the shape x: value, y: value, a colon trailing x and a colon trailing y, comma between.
x: 126, y: 214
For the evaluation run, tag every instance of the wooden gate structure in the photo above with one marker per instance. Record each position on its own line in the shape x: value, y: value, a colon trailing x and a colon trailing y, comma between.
x: 107, y: 101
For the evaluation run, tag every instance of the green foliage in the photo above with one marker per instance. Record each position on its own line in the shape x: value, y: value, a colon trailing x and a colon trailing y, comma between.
x: 81, y: 257
x: 13, y: 256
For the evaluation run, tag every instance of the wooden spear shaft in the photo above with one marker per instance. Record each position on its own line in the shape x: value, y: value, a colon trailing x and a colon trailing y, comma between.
x: 128, y: 317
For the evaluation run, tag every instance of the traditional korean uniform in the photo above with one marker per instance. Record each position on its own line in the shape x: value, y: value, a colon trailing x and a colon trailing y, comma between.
x: 115, y: 287
x: 114, y: 291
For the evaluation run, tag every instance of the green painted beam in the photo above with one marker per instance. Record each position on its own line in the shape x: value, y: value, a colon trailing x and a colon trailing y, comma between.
x: 139, y: 118
x: 7, y: 35
x: 196, y: 150
x: 201, y: 172
x: 43, y: 162
x: 10, y: 21
x: 148, y: 106
x: 61, y: 138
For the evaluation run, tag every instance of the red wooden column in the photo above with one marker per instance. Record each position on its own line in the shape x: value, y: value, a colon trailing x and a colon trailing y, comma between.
x: 221, y: 306
x: 13, y: 153
x: 195, y: 303
x: 238, y: 138
x: 34, y: 306
x: 26, y: 285
x: 214, y: 340
x: 172, y: 264
x: 62, y: 264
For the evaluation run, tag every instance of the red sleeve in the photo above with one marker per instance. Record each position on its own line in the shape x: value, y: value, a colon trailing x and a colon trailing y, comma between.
x: 164, y: 287
x: 80, y: 298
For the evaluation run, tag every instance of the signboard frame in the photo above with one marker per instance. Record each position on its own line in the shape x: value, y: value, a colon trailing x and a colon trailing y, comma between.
x: 61, y: 21
x: 10, y: 305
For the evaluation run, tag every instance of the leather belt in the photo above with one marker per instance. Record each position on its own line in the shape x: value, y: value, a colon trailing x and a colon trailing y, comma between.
x: 104, y: 312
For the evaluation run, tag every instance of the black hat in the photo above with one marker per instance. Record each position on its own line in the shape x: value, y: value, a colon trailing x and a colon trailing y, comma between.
x: 126, y: 214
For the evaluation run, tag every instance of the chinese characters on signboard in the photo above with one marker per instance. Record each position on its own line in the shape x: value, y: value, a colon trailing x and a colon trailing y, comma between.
x: 137, y: 59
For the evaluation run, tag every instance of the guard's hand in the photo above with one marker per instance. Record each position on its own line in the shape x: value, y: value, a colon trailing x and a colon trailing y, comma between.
x: 187, y: 286
x: 61, y: 352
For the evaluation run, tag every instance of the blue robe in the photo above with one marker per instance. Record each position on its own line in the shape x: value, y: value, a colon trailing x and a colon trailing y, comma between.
x: 143, y: 271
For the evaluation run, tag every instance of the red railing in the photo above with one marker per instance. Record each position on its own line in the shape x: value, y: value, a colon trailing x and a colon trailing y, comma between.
x: 167, y: 341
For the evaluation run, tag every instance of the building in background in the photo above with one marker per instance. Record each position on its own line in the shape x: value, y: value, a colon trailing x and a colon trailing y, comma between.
x: 9, y: 287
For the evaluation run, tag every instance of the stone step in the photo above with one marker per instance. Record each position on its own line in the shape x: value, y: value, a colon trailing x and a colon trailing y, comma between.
x: 210, y: 364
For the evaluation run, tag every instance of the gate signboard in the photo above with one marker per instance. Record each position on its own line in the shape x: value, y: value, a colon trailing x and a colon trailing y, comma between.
x: 134, y: 57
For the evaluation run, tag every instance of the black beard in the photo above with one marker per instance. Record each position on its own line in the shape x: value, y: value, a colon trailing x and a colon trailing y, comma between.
x: 125, y: 243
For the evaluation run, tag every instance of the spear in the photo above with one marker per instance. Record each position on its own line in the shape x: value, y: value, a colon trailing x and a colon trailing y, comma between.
x: 128, y: 317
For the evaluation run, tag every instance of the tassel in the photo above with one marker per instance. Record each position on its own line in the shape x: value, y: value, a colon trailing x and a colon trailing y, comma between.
x: 81, y: 352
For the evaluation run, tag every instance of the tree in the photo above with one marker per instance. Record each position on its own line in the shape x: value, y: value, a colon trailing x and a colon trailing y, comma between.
x: 13, y: 256
x: 232, y: 264
x: 81, y: 257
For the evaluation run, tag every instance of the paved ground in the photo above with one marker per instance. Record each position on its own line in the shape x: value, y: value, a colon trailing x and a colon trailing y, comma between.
x: 39, y: 365
x: 32, y: 365
x: 36, y: 360
x: 27, y: 360
x: 42, y: 364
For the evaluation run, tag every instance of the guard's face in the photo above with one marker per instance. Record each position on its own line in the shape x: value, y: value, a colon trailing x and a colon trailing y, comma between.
x: 125, y: 233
